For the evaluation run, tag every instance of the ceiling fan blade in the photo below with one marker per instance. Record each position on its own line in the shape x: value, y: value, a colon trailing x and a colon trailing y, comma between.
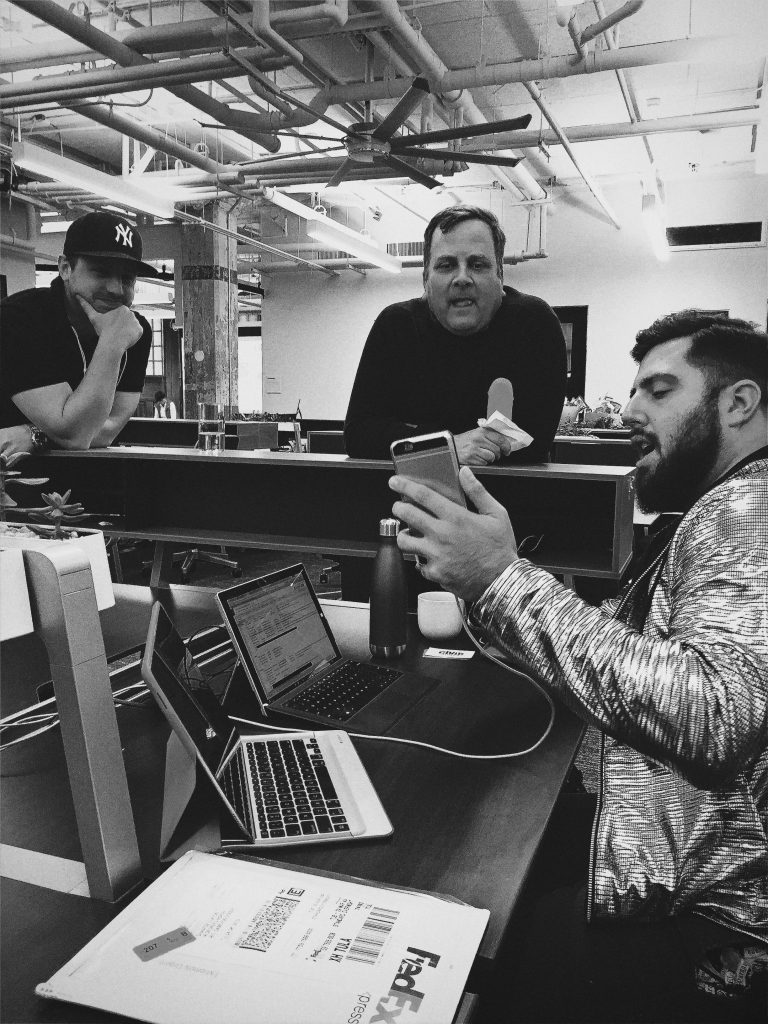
x: 402, y: 110
x: 340, y: 173
x: 418, y: 176
x: 467, y: 131
x: 460, y: 157
x: 315, y: 138
x: 299, y: 156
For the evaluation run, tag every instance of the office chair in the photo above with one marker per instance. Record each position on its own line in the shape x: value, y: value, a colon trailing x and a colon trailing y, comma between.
x: 191, y: 556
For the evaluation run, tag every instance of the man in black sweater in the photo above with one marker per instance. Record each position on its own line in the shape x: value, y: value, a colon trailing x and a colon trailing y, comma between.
x: 428, y: 363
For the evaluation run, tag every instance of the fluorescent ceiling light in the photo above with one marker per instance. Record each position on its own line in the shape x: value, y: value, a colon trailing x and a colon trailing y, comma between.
x: 48, y: 227
x: 290, y: 205
x: 69, y: 172
x: 335, y: 235
x: 339, y: 237
x: 655, y: 226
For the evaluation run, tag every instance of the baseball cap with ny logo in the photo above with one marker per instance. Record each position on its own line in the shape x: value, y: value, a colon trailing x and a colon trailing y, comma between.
x: 106, y: 236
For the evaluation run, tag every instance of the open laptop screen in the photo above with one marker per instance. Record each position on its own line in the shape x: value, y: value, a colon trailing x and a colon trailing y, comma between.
x: 185, y: 689
x: 281, y: 629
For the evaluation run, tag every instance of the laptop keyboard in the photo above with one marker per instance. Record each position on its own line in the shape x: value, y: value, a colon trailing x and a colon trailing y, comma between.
x: 344, y: 691
x: 293, y: 791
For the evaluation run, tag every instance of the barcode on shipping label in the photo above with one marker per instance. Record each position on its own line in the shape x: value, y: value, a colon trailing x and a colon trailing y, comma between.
x: 265, y: 927
x: 370, y: 940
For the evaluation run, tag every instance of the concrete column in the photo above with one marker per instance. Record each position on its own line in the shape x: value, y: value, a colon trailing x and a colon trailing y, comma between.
x: 208, y: 266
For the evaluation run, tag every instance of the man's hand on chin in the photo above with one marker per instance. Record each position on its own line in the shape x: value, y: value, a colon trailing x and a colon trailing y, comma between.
x: 460, y: 550
x: 119, y: 326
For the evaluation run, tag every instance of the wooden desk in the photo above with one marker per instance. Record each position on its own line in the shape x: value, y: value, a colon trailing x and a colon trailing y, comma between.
x: 332, y: 504
x: 466, y: 828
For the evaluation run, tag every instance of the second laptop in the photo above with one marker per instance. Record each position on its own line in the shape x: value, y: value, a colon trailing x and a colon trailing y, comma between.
x: 294, y: 665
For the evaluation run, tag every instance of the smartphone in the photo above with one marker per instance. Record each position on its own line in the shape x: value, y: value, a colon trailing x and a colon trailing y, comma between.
x: 430, y: 459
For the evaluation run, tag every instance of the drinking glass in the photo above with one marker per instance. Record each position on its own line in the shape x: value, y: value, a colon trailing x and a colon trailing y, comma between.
x: 210, y: 426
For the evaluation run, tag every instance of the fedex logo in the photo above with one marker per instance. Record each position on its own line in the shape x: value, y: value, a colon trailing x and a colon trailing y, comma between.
x: 403, y: 994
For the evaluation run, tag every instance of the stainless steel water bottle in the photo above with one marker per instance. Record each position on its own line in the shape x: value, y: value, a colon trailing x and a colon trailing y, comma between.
x: 389, y: 595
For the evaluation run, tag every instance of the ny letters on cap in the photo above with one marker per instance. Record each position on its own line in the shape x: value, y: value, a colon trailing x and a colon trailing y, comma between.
x: 107, y: 236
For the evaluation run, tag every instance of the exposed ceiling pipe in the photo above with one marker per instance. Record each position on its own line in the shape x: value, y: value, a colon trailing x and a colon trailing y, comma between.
x: 105, y: 114
x: 292, y: 117
x: 336, y: 11
x: 12, y: 241
x: 628, y: 93
x: 50, y: 12
x: 250, y: 240
x: 180, y: 39
x: 719, y: 50
x: 607, y: 22
x: 104, y: 81
x: 261, y: 27
x: 538, y: 99
x: 517, y: 179
x: 625, y: 130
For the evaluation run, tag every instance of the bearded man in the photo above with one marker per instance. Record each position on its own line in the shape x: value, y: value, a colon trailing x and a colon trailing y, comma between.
x: 673, y: 894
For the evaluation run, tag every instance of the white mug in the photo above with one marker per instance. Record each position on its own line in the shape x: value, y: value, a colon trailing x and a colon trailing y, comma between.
x: 438, y: 615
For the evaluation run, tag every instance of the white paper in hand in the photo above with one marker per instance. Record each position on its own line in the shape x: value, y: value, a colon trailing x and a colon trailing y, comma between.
x: 498, y: 421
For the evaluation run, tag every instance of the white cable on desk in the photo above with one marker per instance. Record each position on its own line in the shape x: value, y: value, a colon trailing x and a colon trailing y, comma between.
x: 432, y: 746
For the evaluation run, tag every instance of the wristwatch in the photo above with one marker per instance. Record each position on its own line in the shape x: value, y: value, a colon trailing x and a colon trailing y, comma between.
x: 40, y: 441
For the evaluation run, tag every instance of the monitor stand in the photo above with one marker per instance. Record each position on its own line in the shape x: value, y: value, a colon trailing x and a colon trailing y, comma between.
x: 66, y: 619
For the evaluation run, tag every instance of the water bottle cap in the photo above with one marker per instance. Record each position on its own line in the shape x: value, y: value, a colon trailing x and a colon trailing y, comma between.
x: 389, y: 527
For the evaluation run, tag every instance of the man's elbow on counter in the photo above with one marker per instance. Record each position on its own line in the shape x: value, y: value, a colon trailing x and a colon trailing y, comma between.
x: 74, y: 443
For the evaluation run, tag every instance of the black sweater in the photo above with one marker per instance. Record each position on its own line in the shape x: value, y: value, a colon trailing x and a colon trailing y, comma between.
x: 415, y: 377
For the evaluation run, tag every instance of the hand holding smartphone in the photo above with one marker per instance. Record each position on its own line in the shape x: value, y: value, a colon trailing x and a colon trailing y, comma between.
x: 430, y: 459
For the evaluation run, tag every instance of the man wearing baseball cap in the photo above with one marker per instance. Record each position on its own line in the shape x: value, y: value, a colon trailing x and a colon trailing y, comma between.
x: 73, y: 356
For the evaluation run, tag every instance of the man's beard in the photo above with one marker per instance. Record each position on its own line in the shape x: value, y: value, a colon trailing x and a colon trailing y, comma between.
x: 680, y: 476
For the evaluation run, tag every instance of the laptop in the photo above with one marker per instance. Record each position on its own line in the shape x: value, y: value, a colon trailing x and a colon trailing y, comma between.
x: 282, y: 789
x: 292, y: 661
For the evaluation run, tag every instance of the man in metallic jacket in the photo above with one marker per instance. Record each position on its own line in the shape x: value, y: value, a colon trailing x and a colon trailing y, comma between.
x: 675, y: 672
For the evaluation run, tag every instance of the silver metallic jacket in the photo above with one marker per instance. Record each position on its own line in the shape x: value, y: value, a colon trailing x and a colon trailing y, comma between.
x: 682, y: 820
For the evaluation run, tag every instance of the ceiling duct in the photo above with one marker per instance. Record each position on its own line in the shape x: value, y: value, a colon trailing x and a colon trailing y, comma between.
x: 50, y: 12
x: 105, y: 81
x: 718, y: 50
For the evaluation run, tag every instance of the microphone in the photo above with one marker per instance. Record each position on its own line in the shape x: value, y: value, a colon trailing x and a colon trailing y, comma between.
x: 501, y: 396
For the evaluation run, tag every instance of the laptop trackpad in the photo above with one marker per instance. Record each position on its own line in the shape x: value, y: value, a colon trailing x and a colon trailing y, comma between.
x: 398, y: 699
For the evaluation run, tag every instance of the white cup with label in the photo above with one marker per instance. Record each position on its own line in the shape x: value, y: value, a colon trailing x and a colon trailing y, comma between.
x: 210, y: 427
x: 438, y: 615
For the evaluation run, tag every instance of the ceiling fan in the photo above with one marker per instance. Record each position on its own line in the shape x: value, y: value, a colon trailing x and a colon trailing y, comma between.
x: 369, y: 144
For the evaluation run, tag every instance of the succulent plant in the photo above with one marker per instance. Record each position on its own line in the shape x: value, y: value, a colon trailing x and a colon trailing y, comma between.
x: 8, y: 475
x: 58, y: 511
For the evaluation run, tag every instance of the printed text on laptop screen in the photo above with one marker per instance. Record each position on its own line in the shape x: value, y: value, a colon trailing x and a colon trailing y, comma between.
x: 283, y: 633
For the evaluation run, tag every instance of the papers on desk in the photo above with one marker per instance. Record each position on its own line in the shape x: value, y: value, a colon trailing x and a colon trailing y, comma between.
x: 245, y: 942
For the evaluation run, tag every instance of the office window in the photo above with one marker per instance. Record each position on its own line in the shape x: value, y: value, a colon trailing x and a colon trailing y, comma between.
x: 155, y: 366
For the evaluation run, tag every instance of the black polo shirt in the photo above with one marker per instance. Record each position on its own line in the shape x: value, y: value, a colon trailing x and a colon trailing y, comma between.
x: 39, y: 347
